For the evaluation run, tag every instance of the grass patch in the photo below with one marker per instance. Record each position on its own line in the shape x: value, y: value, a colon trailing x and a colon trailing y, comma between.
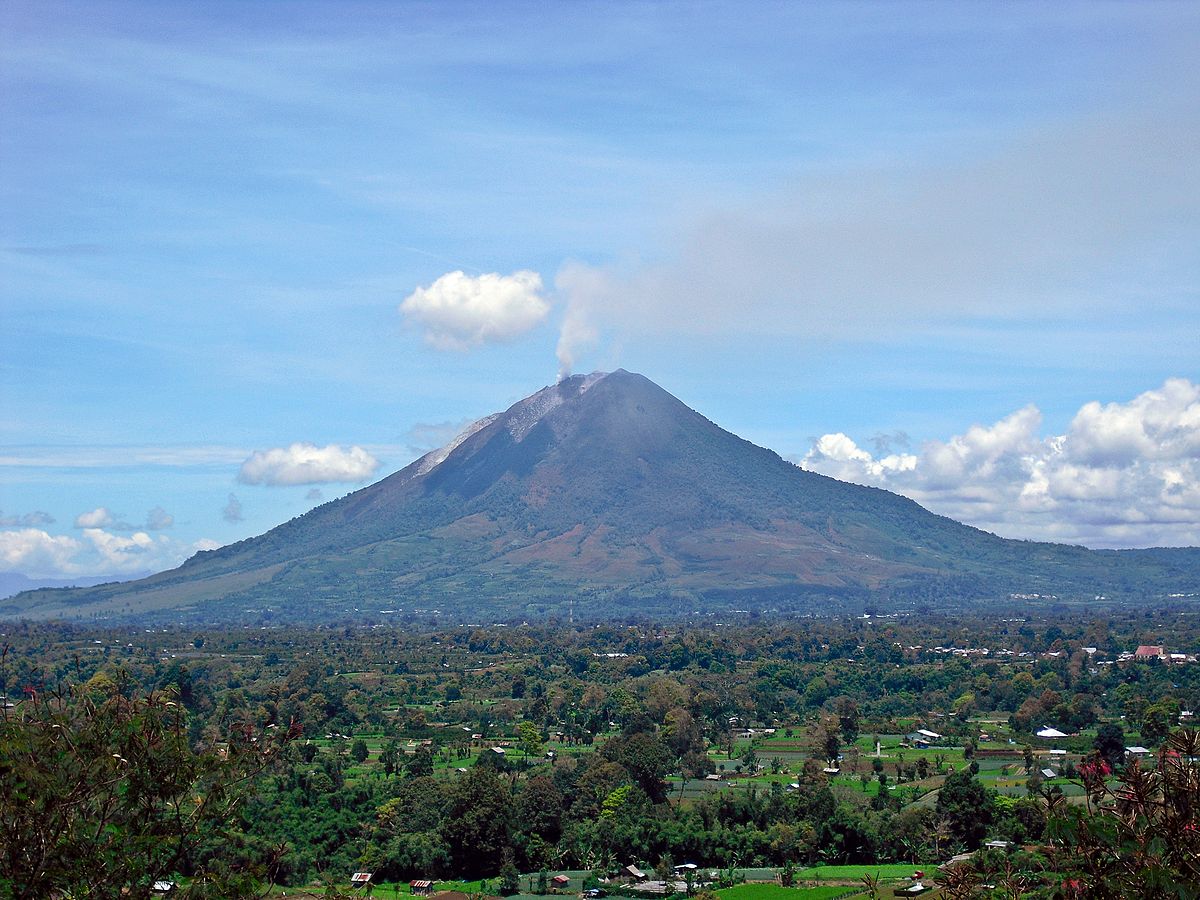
x: 842, y: 873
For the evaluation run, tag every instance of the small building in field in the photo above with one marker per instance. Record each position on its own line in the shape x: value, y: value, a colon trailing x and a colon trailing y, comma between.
x: 361, y: 879
x: 421, y: 887
x: 922, y: 737
x: 560, y: 881
x: 1050, y: 734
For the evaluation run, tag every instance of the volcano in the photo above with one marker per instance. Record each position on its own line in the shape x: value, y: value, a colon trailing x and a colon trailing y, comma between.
x: 604, y: 496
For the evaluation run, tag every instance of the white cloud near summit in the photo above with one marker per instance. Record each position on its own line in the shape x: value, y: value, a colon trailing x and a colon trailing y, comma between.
x: 304, y: 463
x: 1123, y: 474
x: 460, y: 311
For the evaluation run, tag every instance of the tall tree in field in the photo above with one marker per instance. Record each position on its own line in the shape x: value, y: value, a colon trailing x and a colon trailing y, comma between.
x: 847, y: 714
x: 478, y: 822
x: 1110, y: 744
x: 967, y: 808
x: 646, y: 759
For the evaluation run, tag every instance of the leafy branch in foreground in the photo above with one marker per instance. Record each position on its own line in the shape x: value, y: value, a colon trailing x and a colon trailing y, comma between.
x: 101, y: 794
x: 1140, y: 835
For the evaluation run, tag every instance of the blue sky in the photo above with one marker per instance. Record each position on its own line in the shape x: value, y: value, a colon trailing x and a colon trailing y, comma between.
x: 905, y: 244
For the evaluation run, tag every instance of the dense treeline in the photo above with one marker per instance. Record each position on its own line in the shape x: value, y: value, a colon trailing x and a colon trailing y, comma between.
x: 581, y: 678
x: 634, y: 711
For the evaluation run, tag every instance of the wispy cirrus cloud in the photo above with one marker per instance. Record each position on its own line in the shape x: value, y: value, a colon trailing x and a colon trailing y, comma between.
x: 119, y: 456
x: 67, y: 250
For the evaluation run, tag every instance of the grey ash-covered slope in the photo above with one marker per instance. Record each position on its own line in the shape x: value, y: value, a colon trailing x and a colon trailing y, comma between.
x: 607, y: 489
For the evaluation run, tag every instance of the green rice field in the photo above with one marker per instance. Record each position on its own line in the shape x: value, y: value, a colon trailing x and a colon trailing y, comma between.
x: 775, y: 892
x: 885, y: 871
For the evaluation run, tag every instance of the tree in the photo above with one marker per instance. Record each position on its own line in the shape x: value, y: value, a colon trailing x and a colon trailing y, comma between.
x: 540, y: 808
x: 847, y: 714
x: 750, y: 759
x: 827, y: 741
x: 358, y: 751
x: 1110, y: 744
x: 531, y: 739
x: 102, y: 793
x: 421, y: 765
x: 390, y: 758
x: 646, y: 760
x: 1156, y: 724
x: 477, y: 822
x: 510, y: 877
x: 967, y: 808
x: 787, y: 874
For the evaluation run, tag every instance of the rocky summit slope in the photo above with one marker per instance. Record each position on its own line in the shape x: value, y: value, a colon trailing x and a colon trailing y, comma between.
x: 604, y: 495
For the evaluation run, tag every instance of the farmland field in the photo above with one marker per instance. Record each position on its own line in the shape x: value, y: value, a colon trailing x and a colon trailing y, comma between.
x: 885, y: 871
x: 775, y: 892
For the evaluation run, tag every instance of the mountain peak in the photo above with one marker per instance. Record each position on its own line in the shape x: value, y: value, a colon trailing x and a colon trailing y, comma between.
x: 605, y: 489
x: 519, y: 418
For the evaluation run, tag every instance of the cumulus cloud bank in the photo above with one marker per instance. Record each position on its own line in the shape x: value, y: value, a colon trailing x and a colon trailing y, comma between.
x: 38, y: 554
x: 304, y: 463
x: 460, y: 311
x: 33, y: 552
x: 1123, y: 475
